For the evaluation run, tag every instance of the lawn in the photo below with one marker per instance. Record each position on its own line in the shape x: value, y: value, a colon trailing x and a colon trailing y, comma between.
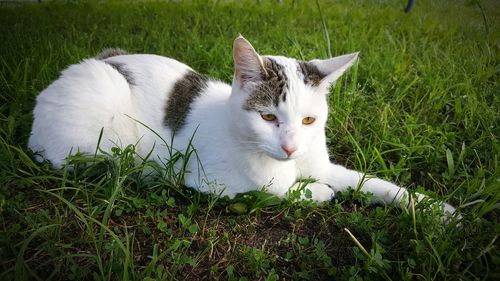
x: 421, y: 108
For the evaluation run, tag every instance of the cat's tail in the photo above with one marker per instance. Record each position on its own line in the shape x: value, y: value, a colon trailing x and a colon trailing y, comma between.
x: 69, y: 115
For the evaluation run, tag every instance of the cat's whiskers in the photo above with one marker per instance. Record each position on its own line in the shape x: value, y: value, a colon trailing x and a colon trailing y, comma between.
x: 253, y: 147
x: 248, y: 142
x: 250, y: 148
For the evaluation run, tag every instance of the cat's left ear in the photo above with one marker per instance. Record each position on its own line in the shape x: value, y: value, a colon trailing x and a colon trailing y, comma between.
x: 333, y: 68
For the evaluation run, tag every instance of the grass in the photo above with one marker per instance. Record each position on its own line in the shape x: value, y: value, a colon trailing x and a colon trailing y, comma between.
x: 421, y: 108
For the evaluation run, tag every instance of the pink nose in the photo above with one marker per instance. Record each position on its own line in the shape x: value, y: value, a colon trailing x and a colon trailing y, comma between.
x: 289, y: 150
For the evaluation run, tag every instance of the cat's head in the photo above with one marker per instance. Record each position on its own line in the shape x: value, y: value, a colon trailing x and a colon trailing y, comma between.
x: 278, y: 104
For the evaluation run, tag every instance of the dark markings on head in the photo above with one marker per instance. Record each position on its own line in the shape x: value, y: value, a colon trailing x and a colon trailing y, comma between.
x: 110, y: 52
x: 312, y: 75
x: 122, y: 69
x: 181, y: 96
x: 272, y: 87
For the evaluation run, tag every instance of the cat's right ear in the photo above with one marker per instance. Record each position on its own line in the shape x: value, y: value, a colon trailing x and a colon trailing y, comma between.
x: 248, y: 65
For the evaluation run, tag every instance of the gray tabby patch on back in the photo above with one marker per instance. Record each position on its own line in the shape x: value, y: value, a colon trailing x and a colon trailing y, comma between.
x: 312, y: 75
x: 272, y: 87
x: 122, y: 69
x: 110, y: 52
x: 181, y: 96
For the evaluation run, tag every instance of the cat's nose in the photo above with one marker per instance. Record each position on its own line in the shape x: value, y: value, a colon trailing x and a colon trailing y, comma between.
x: 289, y: 150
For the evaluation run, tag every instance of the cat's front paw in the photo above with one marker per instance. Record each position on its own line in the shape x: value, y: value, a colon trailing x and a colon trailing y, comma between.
x: 448, y: 209
x: 320, y: 192
x: 450, y: 212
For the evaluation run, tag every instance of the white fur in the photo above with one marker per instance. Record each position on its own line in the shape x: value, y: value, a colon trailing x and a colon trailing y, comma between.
x: 237, y: 149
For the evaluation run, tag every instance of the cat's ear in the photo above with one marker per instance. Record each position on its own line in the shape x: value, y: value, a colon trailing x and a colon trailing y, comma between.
x: 333, y: 68
x: 248, y: 65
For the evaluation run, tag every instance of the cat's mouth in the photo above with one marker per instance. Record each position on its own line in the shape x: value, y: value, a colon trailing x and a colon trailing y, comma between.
x: 283, y: 158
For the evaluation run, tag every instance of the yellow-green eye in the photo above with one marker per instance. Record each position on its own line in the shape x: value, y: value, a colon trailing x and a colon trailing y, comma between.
x: 308, y: 120
x: 268, y: 117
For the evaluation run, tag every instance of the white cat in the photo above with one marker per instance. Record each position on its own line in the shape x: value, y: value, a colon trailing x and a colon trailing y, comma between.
x: 266, y: 130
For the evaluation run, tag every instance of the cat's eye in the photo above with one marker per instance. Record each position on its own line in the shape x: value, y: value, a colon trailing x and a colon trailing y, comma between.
x: 268, y: 117
x: 308, y: 120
